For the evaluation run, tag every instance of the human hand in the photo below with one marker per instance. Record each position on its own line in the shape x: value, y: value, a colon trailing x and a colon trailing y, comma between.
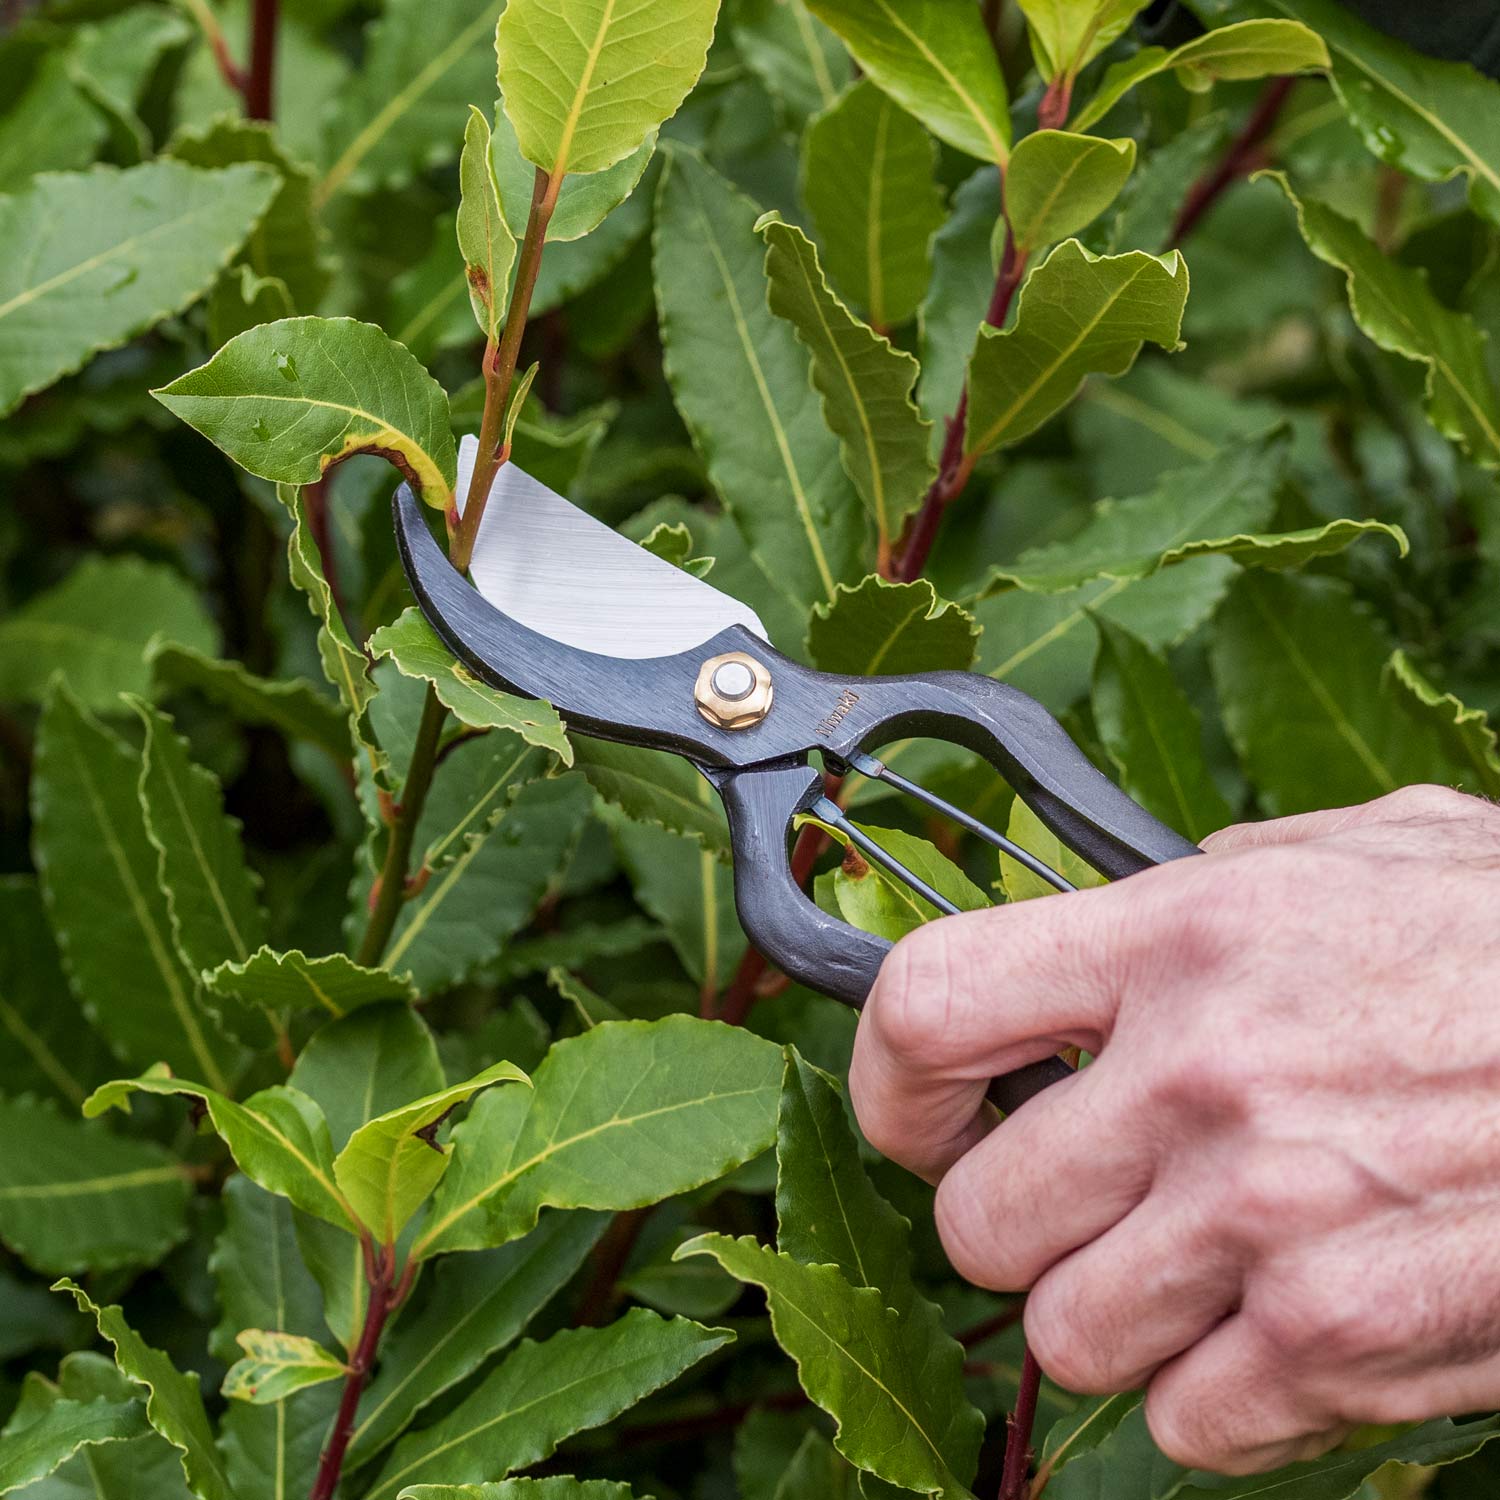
x: 1274, y: 1198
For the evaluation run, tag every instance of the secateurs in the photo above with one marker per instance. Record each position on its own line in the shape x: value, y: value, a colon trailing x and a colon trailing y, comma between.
x: 629, y: 648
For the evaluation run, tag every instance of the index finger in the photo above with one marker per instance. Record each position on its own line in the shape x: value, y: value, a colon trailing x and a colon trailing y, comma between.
x: 964, y: 999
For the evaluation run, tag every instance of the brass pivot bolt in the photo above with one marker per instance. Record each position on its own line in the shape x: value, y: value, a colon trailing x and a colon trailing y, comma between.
x: 733, y: 691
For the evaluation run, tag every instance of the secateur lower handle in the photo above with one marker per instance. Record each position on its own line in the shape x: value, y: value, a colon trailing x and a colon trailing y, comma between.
x: 1015, y: 734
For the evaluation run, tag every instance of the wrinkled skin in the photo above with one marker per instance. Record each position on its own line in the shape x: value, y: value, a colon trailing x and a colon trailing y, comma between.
x: 1274, y: 1199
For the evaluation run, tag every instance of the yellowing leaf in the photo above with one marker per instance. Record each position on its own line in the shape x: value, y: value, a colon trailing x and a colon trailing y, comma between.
x: 286, y: 400
x: 277, y: 1365
x: 484, y: 238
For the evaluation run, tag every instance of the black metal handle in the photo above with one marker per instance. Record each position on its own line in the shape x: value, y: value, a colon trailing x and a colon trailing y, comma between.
x: 1015, y: 734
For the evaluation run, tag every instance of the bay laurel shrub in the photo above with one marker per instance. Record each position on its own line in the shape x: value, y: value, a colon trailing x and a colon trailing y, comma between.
x: 389, y: 1102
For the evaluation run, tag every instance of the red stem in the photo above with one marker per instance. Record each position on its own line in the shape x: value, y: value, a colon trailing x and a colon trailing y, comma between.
x: 260, y: 78
x: 954, y: 467
x: 1243, y: 156
x: 1018, y: 1427
x: 610, y: 1255
x: 386, y: 1294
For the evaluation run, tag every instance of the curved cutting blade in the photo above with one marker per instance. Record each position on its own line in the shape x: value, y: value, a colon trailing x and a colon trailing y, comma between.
x: 557, y: 570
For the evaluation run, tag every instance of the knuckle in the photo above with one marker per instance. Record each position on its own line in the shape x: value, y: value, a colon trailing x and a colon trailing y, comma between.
x: 1427, y: 802
x: 1186, y: 1429
x: 1259, y: 1197
x: 968, y: 1233
x: 1075, y: 1350
x: 1307, y: 1321
x: 911, y: 1004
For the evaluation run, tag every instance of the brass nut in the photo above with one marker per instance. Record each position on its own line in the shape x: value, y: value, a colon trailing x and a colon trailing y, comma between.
x: 733, y: 691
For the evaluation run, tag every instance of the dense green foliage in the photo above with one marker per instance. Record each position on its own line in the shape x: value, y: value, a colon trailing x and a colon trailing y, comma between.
x: 385, y: 1083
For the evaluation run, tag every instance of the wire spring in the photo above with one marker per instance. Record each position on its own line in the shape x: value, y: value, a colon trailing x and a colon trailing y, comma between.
x: 828, y: 811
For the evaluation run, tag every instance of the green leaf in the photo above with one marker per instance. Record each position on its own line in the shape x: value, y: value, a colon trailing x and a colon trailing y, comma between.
x: 1079, y: 314
x: 739, y: 377
x: 654, y: 786
x: 797, y: 59
x: 1250, y: 49
x: 210, y: 892
x: 1058, y: 182
x: 1045, y: 644
x: 288, y: 243
x: 874, y: 900
x: 1434, y: 120
x: 477, y: 1305
x: 1300, y: 670
x: 1154, y: 735
x: 115, y: 59
x: 543, y: 1393
x: 1213, y: 508
x: 963, y: 281
x: 1067, y: 34
x: 887, y: 628
x: 583, y: 203
x: 75, y: 1197
x: 174, y: 1404
x: 626, y: 1114
x: 561, y: 1488
x: 816, y: 1469
x: 584, y: 90
x: 1127, y: 1463
x: 827, y: 1210
x: 278, y: 1137
x: 286, y: 982
x: 33, y: 1445
x: 393, y: 1162
x: 413, y: 645
x: 279, y: 400
x: 49, y: 1050
x: 1464, y: 733
x: 98, y: 871
x: 484, y: 238
x: 828, y: 1213
x: 864, y: 382
x: 94, y: 628
x: 857, y: 1360
x: 1028, y: 830
x: 690, y: 891
x: 263, y: 1283
x: 489, y: 888
x: 867, y: 181
x: 344, y: 663
x: 366, y: 1064
x: 934, y: 58
x: 277, y: 1365
x: 109, y: 254
x: 51, y: 125
x: 1395, y: 307
x: 393, y: 120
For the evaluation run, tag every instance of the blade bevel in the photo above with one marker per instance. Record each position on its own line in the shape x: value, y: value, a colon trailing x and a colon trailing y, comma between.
x: 557, y: 570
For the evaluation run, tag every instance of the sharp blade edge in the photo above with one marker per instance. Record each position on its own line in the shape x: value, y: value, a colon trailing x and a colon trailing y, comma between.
x: 557, y: 570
